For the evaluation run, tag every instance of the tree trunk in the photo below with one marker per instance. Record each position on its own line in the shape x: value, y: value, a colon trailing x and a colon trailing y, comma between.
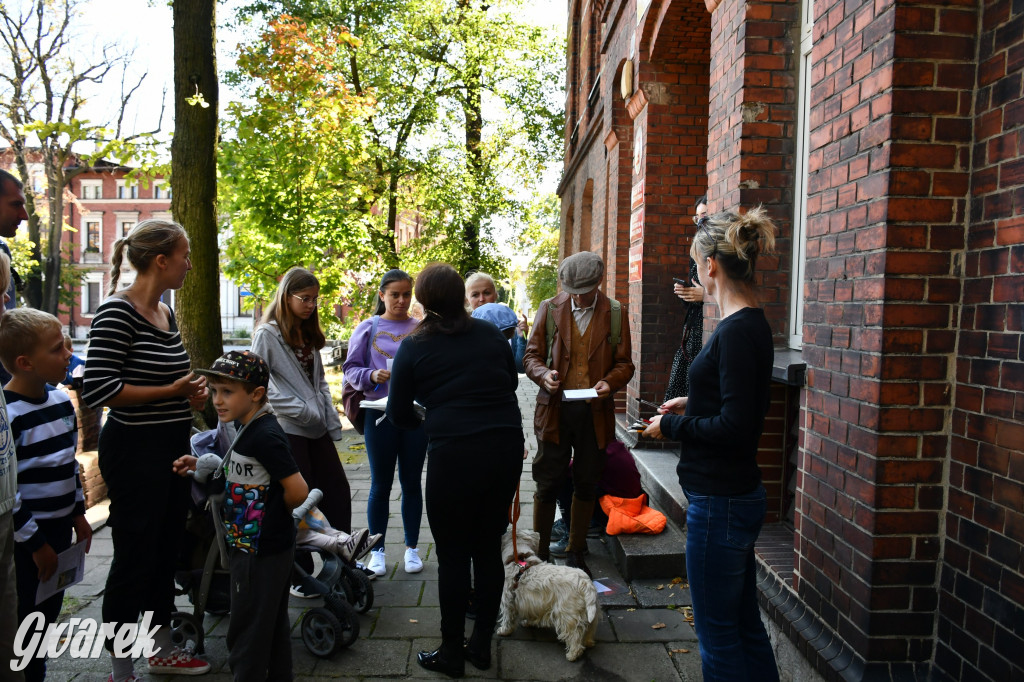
x: 194, y: 176
x: 50, y: 264
x: 473, y: 109
x: 33, y: 291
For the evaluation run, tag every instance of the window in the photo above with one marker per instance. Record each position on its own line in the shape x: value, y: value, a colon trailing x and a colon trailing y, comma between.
x: 92, y: 292
x: 126, y: 191
x: 126, y: 227
x: 92, y: 236
x: 161, y: 190
x: 803, y: 137
x: 92, y: 189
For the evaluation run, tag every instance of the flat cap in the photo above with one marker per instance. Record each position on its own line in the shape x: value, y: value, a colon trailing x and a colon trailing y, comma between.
x: 581, y: 272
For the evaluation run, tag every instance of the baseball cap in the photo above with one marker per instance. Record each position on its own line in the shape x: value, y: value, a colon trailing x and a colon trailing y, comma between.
x: 240, y: 365
x: 501, y: 316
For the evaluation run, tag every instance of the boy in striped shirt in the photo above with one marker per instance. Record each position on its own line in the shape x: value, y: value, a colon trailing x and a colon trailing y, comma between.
x: 49, y: 503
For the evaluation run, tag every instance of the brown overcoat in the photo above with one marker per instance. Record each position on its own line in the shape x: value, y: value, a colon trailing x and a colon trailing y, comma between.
x: 613, y: 365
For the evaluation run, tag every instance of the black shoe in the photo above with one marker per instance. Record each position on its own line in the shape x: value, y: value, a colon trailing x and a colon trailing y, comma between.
x: 440, y: 662
x: 481, y: 660
x: 576, y: 560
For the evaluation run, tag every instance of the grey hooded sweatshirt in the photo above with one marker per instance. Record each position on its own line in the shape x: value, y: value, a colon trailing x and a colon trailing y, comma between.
x: 303, y: 409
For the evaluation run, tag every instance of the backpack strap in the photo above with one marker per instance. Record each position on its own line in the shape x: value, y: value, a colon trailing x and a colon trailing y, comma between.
x: 549, y: 328
x: 616, y: 327
x: 369, y: 344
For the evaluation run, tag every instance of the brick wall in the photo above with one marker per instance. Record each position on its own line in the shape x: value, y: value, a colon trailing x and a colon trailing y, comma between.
x: 981, y: 591
x: 890, y: 148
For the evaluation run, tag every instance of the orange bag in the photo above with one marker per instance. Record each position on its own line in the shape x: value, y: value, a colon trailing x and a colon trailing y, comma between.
x: 631, y: 515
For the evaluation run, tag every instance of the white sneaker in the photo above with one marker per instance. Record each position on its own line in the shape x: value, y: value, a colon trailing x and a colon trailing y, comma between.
x: 413, y: 563
x: 378, y: 564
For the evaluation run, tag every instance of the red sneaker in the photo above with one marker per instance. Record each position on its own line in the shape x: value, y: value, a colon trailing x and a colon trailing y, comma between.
x: 180, y: 662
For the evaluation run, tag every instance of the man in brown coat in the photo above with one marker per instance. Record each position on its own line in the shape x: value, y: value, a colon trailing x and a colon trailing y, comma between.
x: 582, y: 355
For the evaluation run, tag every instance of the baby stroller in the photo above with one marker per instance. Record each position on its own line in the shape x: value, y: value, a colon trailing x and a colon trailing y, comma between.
x: 345, y: 590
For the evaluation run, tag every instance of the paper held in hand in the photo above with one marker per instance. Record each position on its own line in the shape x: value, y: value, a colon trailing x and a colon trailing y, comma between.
x: 70, y: 569
x: 579, y: 394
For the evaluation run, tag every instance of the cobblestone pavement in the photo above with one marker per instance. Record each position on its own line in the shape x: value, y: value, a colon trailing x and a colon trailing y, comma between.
x: 643, y: 633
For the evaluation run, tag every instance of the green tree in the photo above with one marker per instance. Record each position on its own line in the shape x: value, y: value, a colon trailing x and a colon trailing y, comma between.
x: 295, y: 180
x: 540, y: 239
x: 44, y: 83
x: 465, y: 113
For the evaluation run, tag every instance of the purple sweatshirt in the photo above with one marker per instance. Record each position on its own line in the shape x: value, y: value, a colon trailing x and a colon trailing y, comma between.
x: 389, y: 334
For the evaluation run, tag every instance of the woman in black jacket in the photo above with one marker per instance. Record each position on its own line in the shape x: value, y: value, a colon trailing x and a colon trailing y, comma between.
x: 462, y: 371
x: 719, y: 425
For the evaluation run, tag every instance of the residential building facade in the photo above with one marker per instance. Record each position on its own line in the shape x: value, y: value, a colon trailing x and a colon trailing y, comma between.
x: 885, y: 139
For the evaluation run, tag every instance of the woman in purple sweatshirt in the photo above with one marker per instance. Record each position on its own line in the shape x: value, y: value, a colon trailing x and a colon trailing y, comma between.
x: 387, y: 445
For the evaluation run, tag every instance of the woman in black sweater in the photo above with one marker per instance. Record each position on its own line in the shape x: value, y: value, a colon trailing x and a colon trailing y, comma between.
x: 462, y: 371
x: 719, y: 425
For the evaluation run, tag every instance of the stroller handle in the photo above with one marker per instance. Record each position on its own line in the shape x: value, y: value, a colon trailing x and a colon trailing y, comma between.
x: 312, y: 500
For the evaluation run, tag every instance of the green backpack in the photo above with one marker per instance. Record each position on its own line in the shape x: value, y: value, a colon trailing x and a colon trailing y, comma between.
x: 613, y: 338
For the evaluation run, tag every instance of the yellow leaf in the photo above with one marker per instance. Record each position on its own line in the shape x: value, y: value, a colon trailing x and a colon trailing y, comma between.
x: 660, y: 587
x: 657, y: 626
x: 413, y: 620
x: 679, y: 651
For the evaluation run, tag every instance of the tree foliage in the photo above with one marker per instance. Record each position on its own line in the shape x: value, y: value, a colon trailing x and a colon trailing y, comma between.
x: 540, y: 239
x: 452, y: 108
x: 44, y: 84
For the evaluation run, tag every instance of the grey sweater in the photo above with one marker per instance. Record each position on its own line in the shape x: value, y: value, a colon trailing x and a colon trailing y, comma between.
x: 302, y: 408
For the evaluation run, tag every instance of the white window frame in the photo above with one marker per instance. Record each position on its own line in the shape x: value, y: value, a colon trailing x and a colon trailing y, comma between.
x: 122, y: 217
x: 94, y: 278
x: 132, y: 190
x: 87, y: 219
x: 91, y: 184
x: 803, y: 136
x: 161, y: 186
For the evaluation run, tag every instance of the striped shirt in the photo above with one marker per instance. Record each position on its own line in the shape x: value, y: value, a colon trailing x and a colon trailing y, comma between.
x: 49, y: 487
x: 124, y: 348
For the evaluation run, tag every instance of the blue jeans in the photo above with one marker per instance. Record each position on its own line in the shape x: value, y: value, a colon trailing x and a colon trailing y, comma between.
x: 720, y: 536
x: 386, y: 445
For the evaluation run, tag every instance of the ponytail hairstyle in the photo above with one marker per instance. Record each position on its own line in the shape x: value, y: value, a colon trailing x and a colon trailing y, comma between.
x: 735, y: 241
x: 390, y: 277
x: 443, y: 293
x: 295, y: 331
x: 147, y: 240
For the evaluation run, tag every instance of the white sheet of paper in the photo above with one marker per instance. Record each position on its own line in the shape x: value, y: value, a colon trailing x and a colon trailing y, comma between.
x: 601, y: 589
x: 579, y: 394
x: 70, y: 570
x: 379, y: 404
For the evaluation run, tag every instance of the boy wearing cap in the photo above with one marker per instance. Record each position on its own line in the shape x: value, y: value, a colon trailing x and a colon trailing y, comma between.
x: 263, y: 485
x: 588, y: 346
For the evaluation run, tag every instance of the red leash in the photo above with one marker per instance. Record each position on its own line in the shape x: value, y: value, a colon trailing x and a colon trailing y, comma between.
x: 513, y: 516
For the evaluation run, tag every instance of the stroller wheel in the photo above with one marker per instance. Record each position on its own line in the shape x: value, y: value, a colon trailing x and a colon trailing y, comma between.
x: 358, y: 589
x: 322, y: 632
x: 184, y: 628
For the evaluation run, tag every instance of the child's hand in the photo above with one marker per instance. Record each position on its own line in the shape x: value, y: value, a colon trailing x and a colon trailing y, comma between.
x: 83, y: 531
x: 184, y: 464
x: 197, y: 401
x: 46, y: 562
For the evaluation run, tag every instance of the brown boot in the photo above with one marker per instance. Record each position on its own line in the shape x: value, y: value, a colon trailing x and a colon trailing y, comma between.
x: 579, y: 524
x: 543, y: 517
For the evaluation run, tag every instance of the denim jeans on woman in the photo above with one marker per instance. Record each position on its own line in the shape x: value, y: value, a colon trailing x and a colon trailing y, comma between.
x: 386, y: 446
x: 720, y: 536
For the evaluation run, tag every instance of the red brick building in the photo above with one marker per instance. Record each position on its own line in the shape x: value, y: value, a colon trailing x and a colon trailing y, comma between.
x: 886, y: 140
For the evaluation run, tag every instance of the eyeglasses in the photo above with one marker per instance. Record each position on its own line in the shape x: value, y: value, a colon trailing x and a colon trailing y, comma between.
x: 306, y: 300
x: 702, y: 224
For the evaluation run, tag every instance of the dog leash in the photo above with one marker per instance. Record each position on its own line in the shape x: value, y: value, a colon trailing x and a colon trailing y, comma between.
x: 513, y: 515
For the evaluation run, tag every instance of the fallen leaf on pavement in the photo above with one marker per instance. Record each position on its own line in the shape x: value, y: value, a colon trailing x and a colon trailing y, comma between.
x: 657, y: 626
x: 679, y: 651
x: 413, y: 620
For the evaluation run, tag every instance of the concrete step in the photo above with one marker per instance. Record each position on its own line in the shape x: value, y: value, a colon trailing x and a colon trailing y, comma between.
x: 661, y: 556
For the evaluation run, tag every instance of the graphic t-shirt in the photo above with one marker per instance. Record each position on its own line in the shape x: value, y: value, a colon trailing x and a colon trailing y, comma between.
x: 254, y: 513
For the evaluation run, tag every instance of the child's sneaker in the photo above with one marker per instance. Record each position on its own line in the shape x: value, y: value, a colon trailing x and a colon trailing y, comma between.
x: 180, y: 662
x: 413, y: 563
x: 378, y: 564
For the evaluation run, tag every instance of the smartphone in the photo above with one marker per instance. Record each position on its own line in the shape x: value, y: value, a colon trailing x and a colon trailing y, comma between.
x: 684, y: 282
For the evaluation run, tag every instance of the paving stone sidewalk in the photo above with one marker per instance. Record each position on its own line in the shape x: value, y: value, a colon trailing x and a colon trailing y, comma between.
x: 643, y: 633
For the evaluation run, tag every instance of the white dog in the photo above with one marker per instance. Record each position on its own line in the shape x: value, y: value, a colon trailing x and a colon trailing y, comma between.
x: 546, y: 595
